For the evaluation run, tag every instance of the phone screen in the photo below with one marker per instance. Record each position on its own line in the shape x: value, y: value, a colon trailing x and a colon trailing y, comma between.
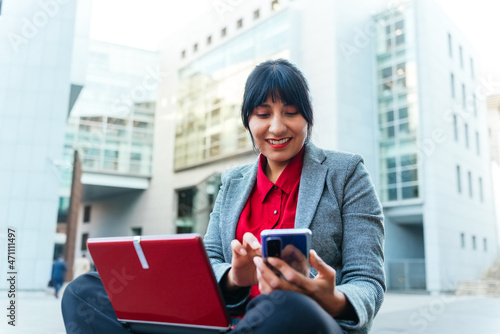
x: 291, y: 245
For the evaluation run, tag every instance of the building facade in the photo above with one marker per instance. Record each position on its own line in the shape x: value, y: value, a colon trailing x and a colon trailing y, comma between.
x: 111, y: 126
x: 38, y: 41
x: 397, y: 87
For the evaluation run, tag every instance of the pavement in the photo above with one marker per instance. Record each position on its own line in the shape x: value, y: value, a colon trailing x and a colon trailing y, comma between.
x: 40, y: 312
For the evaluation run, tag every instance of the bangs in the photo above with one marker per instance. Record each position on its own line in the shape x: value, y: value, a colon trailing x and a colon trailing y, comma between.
x: 283, y: 82
x: 276, y: 85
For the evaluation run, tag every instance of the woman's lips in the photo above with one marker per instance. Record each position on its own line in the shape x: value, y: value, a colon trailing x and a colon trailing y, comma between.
x: 278, y: 143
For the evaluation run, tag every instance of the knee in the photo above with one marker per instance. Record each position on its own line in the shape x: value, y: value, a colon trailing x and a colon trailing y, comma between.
x: 84, y: 290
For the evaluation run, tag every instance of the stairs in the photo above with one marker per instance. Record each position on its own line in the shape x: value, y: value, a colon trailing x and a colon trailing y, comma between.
x: 489, y: 285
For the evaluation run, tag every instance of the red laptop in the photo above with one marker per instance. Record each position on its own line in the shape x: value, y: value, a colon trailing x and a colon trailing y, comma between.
x: 160, y: 284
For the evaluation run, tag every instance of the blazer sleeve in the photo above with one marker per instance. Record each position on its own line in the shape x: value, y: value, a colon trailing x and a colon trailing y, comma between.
x: 221, y: 262
x: 362, y: 273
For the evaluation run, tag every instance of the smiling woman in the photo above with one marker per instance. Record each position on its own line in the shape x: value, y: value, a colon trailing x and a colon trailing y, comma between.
x: 293, y: 184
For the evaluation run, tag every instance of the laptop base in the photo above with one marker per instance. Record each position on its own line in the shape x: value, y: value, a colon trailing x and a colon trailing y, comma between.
x: 170, y: 329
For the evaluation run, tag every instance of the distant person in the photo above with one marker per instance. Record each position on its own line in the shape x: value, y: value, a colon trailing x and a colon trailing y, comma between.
x: 81, y: 266
x: 59, y: 269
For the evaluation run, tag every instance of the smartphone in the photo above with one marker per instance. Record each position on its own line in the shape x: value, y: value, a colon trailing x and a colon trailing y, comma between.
x: 291, y: 245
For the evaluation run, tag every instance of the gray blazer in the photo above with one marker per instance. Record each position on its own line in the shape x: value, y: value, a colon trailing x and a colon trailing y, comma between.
x: 337, y: 201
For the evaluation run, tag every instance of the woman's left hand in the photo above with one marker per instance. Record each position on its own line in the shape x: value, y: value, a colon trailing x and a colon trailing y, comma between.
x: 320, y: 288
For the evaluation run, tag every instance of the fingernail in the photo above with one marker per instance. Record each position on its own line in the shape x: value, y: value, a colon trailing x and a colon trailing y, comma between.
x: 243, y: 251
x: 257, y: 260
x: 255, y: 244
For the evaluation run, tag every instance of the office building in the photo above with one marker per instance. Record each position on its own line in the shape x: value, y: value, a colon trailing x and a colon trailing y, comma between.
x: 111, y: 126
x: 42, y: 45
x: 394, y: 87
x: 434, y: 170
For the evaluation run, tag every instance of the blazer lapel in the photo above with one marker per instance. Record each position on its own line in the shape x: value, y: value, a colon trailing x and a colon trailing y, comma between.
x: 312, y: 181
x: 238, y: 191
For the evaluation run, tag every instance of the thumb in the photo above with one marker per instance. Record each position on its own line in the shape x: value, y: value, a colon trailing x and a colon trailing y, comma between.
x: 324, y: 270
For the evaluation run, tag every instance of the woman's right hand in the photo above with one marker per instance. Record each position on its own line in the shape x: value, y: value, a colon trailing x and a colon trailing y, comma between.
x: 243, y: 272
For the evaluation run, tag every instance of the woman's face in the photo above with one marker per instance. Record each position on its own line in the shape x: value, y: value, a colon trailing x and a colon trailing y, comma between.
x: 279, y: 130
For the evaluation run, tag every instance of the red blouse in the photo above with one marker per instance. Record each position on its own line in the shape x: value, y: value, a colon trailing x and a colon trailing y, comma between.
x: 271, y: 206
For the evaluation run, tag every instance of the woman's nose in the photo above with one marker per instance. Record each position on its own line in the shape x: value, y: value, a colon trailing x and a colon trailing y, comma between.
x: 277, y: 125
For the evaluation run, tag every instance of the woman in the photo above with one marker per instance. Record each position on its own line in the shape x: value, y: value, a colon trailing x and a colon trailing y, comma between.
x: 293, y: 184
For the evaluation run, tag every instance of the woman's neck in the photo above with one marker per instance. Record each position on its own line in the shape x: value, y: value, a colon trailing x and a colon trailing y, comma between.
x: 273, y: 170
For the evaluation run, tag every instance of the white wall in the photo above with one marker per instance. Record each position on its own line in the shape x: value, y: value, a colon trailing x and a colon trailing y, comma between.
x: 36, y: 46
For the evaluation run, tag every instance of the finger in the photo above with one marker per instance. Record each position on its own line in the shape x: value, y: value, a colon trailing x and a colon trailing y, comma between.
x: 250, y: 240
x: 324, y: 270
x: 289, y: 274
x: 237, y: 248
x: 264, y: 287
x: 275, y: 281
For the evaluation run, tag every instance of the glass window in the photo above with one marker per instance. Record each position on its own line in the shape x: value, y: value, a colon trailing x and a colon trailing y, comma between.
x: 135, y: 156
x: 223, y: 32
x: 408, y: 160
x: 410, y: 192
x: 391, y: 178
x: 462, y: 240
x: 409, y: 175
x: 136, y: 230
x: 404, y: 128
x: 469, y: 176
x: 185, y: 202
x: 481, y: 189
x: 388, y: 132
x: 195, y: 47
x: 477, y: 144
x: 390, y: 163
x: 461, y: 56
x: 450, y: 45
x: 485, y: 244
x: 464, y: 96
x: 85, y: 237
x: 474, y: 242
x: 256, y: 14
x: 386, y: 72
x: 455, y: 126
x: 401, y: 83
x: 459, y: 180
x: 209, y: 40
x: 452, y: 85
x: 403, y: 113
x: 466, y: 132
x: 400, y: 39
x: 239, y: 24
x: 392, y: 194
x: 86, y: 213
x: 472, y: 68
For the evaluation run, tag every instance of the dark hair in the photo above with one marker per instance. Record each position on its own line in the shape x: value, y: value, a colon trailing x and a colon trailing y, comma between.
x: 285, y: 82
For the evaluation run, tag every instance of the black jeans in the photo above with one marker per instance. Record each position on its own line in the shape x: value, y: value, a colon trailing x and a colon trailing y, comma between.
x: 86, y: 309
